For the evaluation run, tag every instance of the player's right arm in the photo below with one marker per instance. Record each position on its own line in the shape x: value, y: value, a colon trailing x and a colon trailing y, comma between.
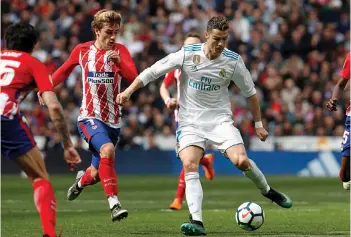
x: 45, y: 88
x: 340, y: 86
x: 169, y: 63
x: 171, y: 103
x: 62, y: 73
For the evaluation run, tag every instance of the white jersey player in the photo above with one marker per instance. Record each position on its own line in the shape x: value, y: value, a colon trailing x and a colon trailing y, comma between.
x: 205, y: 113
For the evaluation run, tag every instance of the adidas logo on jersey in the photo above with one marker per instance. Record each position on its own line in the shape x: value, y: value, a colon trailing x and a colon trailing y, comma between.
x: 323, y: 165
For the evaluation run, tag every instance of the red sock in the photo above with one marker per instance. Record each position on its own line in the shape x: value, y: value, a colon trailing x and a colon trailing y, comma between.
x: 108, y: 176
x: 44, y: 200
x: 181, y: 186
x: 87, y: 179
x: 204, y: 161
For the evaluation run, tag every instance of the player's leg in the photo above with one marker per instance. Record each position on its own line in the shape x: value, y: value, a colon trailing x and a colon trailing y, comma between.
x: 190, y: 157
x: 33, y: 165
x: 238, y: 157
x: 178, y: 200
x: 17, y: 143
x: 230, y: 143
x: 190, y: 148
x: 344, y: 173
x: 83, y: 179
x: 207, y: 165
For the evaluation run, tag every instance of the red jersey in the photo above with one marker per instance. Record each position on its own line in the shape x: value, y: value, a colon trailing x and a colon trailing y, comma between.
x: 20, y: 73
x: 170, y: 78
x: 345, y: 73
x: 101, y: 79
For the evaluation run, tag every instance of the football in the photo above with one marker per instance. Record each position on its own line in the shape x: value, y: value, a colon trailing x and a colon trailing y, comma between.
x: 249, y: 216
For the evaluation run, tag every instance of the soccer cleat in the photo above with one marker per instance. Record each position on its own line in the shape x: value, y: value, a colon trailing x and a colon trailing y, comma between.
x: 117, y: 213
x: 346, y: 185
x: 176, y: 204
x: 279, y: 198
x: 209, y: 171
x: 193, y: 228
x: 74, y: 191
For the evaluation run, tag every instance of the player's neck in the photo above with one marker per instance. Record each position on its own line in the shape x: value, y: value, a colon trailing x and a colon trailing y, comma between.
x: 210, y: 54
x: 99, y: 46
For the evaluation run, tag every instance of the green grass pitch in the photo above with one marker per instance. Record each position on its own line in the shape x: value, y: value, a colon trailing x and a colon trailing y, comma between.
x: 321, y: 208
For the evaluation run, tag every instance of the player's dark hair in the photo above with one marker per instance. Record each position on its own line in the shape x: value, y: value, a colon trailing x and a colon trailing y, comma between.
x: 21, y: 37
x: 218, y: 22
x: 193, y: 35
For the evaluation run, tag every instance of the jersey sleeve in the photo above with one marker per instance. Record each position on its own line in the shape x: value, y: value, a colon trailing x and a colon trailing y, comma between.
x: 169, y: 63
x: 41, y: 76
x: 128, y: 69
x: 62, y: 73
x: 169, y: 79
x: 242, y: 78
x: 345, y: 71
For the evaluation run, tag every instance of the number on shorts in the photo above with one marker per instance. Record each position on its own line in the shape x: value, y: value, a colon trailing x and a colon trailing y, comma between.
x: 7, y: 73
x: 92, y: 124
x: 345, y: 136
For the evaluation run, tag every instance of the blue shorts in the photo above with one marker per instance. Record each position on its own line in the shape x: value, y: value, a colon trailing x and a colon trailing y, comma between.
x: 345, y: 145
x: 16, y: 137
x: 96, y: 133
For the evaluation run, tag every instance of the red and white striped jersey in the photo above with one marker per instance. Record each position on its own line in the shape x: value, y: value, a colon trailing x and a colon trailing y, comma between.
x: 20, y: 73
x: 345, y: 73
x: 101, y: 80
x: 170, y: 78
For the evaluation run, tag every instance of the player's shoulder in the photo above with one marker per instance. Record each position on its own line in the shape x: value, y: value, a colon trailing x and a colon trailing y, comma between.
x: 23, y: 57
x: 348, y: 57
x: 193, y: 47
x: 227, y: 53
x: 85, y: 45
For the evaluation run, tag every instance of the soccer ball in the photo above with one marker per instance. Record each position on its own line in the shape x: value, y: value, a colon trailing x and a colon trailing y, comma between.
x: 249, y: 216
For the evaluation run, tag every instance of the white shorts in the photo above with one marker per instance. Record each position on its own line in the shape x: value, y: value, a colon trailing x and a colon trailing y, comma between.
x: 221, y: 136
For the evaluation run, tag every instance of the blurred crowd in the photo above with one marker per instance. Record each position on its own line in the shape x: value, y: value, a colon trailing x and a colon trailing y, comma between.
x: 294, y: 50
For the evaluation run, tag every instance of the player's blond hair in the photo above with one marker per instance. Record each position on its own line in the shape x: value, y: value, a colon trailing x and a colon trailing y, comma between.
x: 104, y: 16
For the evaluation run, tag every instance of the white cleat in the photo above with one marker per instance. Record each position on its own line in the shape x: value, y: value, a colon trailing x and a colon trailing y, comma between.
x: 346, y: 185
x: 117, y: 213
x: 73, y: 192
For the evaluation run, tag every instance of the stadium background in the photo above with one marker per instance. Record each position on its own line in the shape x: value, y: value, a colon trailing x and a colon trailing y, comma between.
x: 294, y: 50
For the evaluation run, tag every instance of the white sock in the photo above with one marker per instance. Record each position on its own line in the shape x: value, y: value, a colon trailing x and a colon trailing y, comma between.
x: 80, y: 184
x: 113, y: 200
x: 194, y: 195
x: 255, y: 174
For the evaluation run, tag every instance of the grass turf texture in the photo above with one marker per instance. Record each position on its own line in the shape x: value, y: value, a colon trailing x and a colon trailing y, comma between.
x: 321, y: 208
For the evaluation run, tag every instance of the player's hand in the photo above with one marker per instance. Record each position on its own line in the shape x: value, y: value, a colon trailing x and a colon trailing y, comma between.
x: 122, y: 98
x: 171, y: 103
x: 262, y: 134
x: 114, y: 56
x: 331, y: 105
x: 71, y: 157
x: 41, y: 101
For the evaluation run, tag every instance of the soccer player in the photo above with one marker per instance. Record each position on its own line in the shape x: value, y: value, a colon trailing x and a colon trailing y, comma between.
x: 103, y: 64
x: 20, y: 74
x: 205, y: 113
x: 344, y: 173
x: 171, y: 103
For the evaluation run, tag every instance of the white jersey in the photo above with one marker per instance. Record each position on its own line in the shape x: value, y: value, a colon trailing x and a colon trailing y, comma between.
x: 203, y: 89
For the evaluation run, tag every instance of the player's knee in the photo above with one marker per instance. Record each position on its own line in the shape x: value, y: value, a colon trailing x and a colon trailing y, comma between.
x: 190, y: 166
x: 107, y: 151
x: 241, y: 161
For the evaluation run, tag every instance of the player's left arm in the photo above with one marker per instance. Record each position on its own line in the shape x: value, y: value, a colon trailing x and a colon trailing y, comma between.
x: 340, y: 86
x: 171, y: 62
x: 126, y: 63
x: 242, y: 78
